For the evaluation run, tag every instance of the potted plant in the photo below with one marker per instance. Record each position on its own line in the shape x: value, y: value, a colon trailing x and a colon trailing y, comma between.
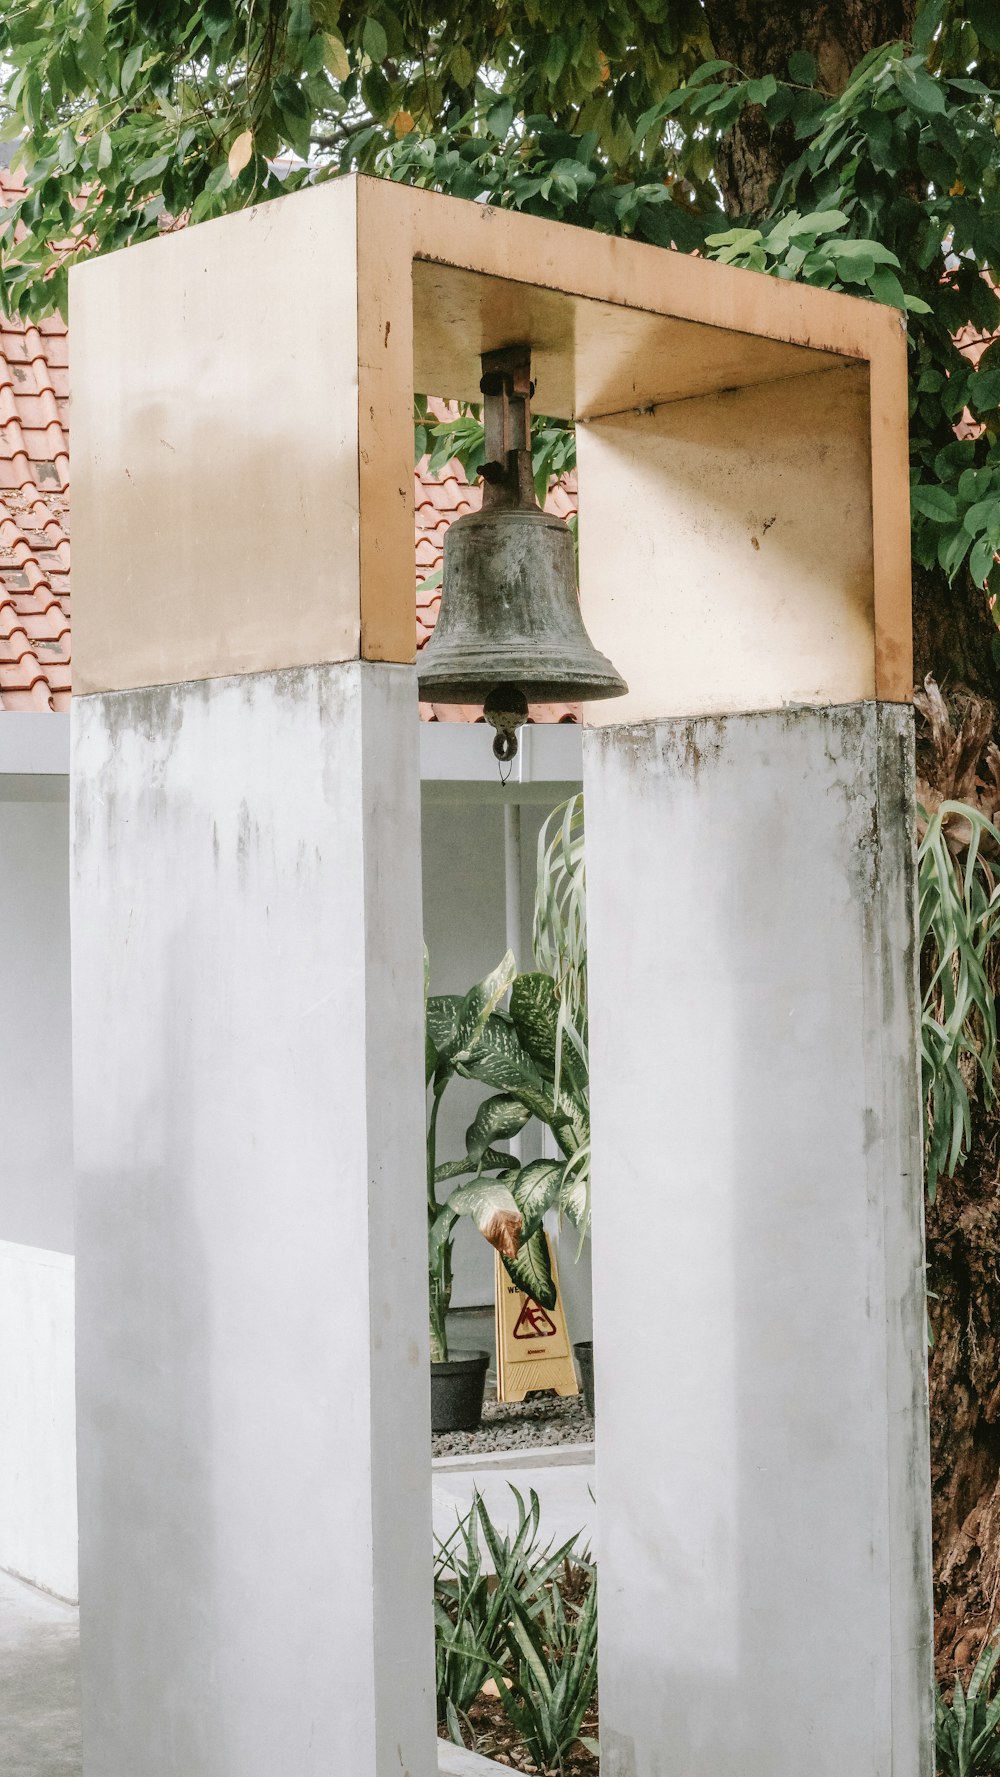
x: 523, y: 1054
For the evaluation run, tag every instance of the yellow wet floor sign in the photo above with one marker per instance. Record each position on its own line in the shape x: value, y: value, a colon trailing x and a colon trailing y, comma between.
x: 533, y: 1348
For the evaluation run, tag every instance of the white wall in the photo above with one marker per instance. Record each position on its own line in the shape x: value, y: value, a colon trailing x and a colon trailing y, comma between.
x: 37, y: 1441
x: 36, y: 1177
x: 37, y: 1432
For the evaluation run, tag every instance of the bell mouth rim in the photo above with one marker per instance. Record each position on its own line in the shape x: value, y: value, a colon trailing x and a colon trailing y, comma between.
x: 477, y: 690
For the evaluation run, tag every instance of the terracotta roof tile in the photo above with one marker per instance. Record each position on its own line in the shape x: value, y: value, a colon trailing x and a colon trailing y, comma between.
x: 35, y: 654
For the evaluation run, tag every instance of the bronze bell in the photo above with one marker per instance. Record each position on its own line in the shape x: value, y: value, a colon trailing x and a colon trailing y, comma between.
x: 509, y: 629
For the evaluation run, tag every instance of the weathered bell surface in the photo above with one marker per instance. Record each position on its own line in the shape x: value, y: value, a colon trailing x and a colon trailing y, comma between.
x: 510, y: 613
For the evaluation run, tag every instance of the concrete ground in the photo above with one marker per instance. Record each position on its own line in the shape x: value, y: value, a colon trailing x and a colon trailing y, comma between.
x: 39, y: 1684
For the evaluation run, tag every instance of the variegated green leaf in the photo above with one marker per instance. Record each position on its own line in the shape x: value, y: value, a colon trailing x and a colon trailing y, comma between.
x: 440, y: 1233
x: 497, y: 1119
x: 499, y: 1060
x: 443, y: 1013
x: 479, y: 1003
x: 534, y: 1011
x: 574, y: 1195
x: 536, y: 1189
x: 491, y: 1206
x: 531, y: 1270
x: 492, y: 1161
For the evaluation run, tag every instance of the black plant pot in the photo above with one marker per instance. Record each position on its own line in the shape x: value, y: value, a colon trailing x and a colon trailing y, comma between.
x: 584, y: 1353
x: 457, y: 1389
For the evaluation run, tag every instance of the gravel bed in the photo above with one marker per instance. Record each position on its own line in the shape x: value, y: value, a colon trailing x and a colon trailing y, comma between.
x: 520, y: 1426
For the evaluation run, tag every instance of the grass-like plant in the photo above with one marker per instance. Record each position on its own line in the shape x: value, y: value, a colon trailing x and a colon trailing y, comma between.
x: 475, y: 1608
x: 959, y: 926
x: 967, y: 1729
x: 553, y: 1674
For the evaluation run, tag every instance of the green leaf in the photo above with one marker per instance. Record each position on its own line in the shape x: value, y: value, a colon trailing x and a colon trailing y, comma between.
x: 497, y: 1119
x: 934, y: 502
x: 981, y: 559
x: 819, y: 222
x: 536, y: 1189
x: 216, y: 17
x: 984, y: 17
x: 531, y: 1270
x: 374, y: 41
x: 929, y: 16
x: 462, y: 66
x: 707, y: 71
x: 499, y: 119
x: 299, y: 28
x: 921, y: 91
x: 440, y: 1233
x: 802, y: 68
x: 886, y: 287
x: 556, y: 54
x: 981, y: 515
x: 477, y: 1007
x: 131, y: 66
x: 759, y: 91
x: 491, y: 1160
x: 574, y: 1197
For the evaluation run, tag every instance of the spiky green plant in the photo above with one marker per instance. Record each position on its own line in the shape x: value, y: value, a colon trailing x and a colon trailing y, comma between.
x: 959, y: 926
x: 473, y: 1605
x: 553, y: 1674
x: 967, y: 1729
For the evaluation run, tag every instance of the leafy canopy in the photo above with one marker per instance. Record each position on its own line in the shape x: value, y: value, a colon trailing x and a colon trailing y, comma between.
x: 133, y: 115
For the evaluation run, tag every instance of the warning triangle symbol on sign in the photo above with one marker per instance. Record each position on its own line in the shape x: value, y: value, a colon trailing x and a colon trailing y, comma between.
x: 533, y: 1322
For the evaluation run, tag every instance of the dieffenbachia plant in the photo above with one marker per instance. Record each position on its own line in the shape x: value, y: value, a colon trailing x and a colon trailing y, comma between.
x: 515, y: 1053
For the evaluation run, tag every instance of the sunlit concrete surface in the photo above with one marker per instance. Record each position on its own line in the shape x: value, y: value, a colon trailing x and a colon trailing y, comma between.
x: 39, y: 1684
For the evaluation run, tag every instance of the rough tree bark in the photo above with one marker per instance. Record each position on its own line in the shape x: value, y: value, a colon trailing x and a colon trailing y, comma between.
x: 953, y: 640
x: 759, y: 38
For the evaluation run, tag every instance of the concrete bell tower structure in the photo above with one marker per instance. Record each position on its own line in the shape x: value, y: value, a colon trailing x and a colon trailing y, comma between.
x: 252, y: 1356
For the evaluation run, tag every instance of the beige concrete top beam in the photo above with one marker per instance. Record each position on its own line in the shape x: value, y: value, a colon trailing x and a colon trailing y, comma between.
x: 243, y: 446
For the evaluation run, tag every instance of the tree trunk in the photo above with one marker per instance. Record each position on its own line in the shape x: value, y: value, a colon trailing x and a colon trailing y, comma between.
x: 759, y: 38
x: 953, y: 639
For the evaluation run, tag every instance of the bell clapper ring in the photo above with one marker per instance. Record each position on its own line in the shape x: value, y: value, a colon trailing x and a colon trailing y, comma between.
x: 505, y: 709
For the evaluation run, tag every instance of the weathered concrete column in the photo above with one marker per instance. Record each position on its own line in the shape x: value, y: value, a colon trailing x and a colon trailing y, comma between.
x: 255, y: 1513
x: 762, y: 1466
x: 252, y: 1360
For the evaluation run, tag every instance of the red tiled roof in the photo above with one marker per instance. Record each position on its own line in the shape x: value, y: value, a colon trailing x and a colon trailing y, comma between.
x: 34, y: 505
x: 34, y: 524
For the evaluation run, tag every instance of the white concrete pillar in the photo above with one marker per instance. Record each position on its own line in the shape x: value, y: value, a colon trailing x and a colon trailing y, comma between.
x: 762, y: 1466
x: 252, y: 1310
